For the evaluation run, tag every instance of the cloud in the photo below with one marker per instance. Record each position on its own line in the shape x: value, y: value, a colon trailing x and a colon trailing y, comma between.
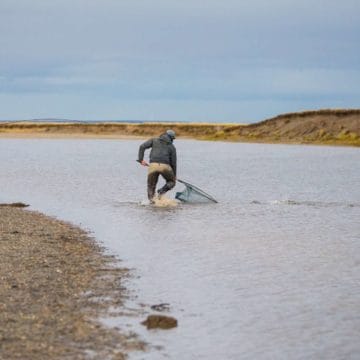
x: 182, y: 51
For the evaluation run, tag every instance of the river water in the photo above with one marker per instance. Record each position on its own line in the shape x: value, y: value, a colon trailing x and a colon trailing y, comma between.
x: 271, y: 272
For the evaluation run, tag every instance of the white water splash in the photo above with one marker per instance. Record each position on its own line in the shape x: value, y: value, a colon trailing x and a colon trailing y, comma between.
x: 164, y: 201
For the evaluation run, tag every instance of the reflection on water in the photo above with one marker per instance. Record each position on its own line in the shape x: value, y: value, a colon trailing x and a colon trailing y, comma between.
x: 272, y: 271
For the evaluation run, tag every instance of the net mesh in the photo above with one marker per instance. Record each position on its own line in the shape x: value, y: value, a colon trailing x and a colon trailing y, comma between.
x: 193, y: 194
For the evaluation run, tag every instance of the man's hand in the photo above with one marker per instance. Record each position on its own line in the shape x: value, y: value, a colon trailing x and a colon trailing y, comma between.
x: 144, y: 163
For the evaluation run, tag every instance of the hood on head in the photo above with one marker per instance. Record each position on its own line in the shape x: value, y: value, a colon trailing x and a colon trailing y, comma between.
x: 166, y: 138
x: 171, y: 133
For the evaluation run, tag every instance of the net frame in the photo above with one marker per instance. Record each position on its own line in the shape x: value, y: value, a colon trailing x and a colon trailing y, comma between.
x: 198, y: 190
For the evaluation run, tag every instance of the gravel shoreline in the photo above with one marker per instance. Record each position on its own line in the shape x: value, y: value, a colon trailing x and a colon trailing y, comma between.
x: 55, y: 284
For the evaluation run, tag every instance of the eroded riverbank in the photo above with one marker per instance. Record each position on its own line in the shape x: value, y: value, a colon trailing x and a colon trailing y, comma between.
x: 55, y: 285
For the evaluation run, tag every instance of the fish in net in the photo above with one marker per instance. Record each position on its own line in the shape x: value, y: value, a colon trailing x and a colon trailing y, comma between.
x: 193, y: 194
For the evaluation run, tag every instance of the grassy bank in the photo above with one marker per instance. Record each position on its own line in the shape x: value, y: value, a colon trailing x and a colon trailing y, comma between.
x: 330, y: 127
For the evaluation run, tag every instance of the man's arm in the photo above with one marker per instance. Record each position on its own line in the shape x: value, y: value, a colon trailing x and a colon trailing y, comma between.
x: 173, y: 159
x: 142, y: 148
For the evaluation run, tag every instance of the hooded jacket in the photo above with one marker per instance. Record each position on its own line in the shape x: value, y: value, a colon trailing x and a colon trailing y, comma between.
x: 162, y: 151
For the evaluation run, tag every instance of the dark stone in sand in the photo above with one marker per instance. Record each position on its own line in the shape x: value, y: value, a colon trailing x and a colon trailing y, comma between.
x: 161, y: 307
x: 160, y: 322
x: 17, y: 204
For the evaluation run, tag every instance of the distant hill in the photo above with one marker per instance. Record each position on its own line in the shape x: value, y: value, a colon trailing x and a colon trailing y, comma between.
x: 45, y: 120
x: 55, y: 120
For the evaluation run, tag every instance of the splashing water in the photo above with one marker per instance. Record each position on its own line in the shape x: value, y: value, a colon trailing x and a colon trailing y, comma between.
x: 164, y: 201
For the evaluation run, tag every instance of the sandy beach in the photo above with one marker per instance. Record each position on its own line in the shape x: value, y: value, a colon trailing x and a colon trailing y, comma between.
x: 55, y: 284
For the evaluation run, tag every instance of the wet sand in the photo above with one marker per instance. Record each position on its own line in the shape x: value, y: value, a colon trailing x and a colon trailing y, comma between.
x: 55, y: 284
x: 37, y: 135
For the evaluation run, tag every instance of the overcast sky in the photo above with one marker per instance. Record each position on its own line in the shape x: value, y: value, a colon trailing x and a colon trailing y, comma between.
x: 191, y: 60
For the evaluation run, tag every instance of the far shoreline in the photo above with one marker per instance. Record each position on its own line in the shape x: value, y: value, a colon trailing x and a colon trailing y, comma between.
x: 319, y: 127
x: 37, y: 136
x: 78, y: 136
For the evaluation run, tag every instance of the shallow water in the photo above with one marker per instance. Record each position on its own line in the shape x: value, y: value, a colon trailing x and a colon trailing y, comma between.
x: 272, y: 271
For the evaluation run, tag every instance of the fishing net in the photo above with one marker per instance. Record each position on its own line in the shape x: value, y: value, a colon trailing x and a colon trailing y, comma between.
x: 193, y: 194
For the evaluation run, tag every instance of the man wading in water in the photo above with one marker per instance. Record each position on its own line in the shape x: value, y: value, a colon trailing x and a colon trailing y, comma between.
x: 162, y: 162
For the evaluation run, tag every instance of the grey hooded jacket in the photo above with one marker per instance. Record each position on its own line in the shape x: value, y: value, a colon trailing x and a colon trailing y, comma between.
x: 162, y: 151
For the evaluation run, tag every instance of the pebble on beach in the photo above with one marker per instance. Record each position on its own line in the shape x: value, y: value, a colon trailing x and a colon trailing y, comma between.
x: 160, y: 322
